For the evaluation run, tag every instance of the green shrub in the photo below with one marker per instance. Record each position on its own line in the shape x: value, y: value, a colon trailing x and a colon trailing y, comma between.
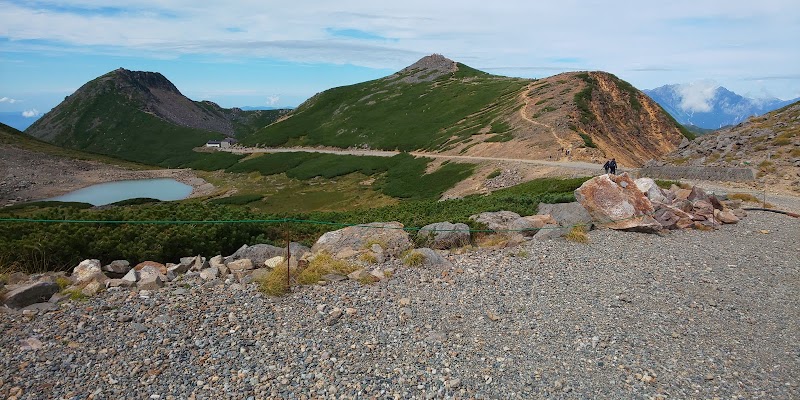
x: 494, y: 174
x: 239, y: 200
x: 587, y: 140
x: 135, y: 202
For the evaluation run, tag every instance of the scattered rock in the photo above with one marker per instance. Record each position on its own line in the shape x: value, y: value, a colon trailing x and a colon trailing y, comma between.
x: 354, y: 240
x: 117, y: 268
x: 25, y: 295
x: 162, y: 269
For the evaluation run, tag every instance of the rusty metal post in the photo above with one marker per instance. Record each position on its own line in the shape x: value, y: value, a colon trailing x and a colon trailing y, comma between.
x: 288, y: 257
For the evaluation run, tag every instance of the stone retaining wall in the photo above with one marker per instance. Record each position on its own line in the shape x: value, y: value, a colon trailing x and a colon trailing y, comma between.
x: 699, y: 173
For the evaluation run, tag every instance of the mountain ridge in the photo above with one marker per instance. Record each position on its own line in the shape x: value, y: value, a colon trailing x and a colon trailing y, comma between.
x: 141, y: 116
x: 770, y: 144
x: 439, y: 105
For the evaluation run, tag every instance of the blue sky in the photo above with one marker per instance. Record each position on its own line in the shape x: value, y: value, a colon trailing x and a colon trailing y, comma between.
x: 259, y: 53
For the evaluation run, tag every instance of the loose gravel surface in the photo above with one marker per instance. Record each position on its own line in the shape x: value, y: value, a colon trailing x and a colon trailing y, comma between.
x: 686, y: 315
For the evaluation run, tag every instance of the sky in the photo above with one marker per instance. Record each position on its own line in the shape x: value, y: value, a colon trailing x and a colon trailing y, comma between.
x: 271, y: 53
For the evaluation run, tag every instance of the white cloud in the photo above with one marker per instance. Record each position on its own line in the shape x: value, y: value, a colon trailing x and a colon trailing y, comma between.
x: 676, y: 41
x: 273, y: 100
x: 697, y: 96
x: 8, y: 100
x: 31, y: 113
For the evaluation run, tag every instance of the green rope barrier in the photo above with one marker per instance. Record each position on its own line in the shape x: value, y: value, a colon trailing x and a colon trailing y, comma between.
x: 284, y: 220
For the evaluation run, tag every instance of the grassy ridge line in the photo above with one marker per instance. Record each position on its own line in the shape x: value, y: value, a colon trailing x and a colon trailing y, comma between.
x: 389, y: 114
x: 14, y: 138
x: 32, y: 247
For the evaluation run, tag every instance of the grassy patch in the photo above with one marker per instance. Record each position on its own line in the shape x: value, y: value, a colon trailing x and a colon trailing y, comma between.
x: 237, y: 200
x: 413, y: 259
x: 587, y: 140
x: 577, y: 234
x: 494, y: 174
x: 666, y: 184
x: 213, y: 161
x: 275, y: 283
x: 63, y: 282
x: 321, y: 265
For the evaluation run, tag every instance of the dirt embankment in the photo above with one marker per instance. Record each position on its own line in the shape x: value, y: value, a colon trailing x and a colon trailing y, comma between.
x: 27, y: 176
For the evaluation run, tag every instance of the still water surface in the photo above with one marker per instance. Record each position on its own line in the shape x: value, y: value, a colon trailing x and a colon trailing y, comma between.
x: 110, y: 192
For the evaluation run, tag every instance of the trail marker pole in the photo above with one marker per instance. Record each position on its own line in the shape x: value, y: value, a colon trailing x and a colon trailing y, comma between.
x: 288, y: 257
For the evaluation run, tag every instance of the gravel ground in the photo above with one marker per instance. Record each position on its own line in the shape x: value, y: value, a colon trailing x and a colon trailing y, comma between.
x: 686, y: 315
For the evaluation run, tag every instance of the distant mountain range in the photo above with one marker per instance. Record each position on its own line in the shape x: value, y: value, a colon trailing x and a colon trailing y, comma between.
x: 709, y: 106
x: 436, y: 105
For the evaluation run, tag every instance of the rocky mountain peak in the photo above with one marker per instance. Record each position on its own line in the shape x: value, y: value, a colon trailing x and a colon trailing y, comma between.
x: 426, y: 69
x: 141, y: 80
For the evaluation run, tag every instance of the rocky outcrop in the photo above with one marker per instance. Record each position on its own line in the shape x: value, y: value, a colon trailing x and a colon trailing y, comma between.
x: 616, y: 203
x: 355, y: 240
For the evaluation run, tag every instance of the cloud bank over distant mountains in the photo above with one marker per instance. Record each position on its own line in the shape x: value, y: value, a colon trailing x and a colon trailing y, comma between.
x: 697, y: 96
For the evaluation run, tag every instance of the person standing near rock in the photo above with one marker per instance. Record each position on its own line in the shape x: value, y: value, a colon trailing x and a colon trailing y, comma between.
x: 607, y: 165
x: 612, y: 165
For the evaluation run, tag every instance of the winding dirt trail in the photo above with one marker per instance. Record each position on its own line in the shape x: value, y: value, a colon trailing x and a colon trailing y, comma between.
x: 527, y: 100
x: 388, y: 153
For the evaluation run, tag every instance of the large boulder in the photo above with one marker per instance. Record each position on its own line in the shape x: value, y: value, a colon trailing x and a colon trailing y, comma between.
x: 87, y: 271
x: 616, y: 203
x: 355, y: 240
x: 559, y: 219
x: 27, y: 294
x: 443, y: 235
x: 496, y: 220
x: 509, y: 224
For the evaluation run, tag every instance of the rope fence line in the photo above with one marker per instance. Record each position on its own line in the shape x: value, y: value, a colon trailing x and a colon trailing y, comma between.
x: 289, y: 220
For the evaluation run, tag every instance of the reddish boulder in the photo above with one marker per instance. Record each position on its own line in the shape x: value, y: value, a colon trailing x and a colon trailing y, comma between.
x: 615, y: 202
x: 161, y: 267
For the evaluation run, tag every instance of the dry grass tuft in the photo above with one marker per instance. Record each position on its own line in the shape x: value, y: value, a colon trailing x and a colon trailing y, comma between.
x: 275, y: 284
x: 577, y: 234
x: 323, y: 264
x: 413, y: 259
x: 368, y: 258
x: 63, y: 282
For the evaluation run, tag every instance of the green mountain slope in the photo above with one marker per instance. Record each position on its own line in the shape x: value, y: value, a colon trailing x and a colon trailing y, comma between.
x: 428, y: 105
x: 142, y: 117
x: 10, y: 137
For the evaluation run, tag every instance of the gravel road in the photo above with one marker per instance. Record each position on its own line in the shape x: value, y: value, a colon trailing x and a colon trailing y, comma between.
x: 686, y: 315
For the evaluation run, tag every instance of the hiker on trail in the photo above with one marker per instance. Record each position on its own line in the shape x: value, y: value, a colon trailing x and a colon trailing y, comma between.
x: 607, y: 166
x: 613, y: 166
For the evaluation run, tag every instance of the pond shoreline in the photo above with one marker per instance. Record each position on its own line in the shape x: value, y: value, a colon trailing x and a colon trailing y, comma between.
x: 30, y: 176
